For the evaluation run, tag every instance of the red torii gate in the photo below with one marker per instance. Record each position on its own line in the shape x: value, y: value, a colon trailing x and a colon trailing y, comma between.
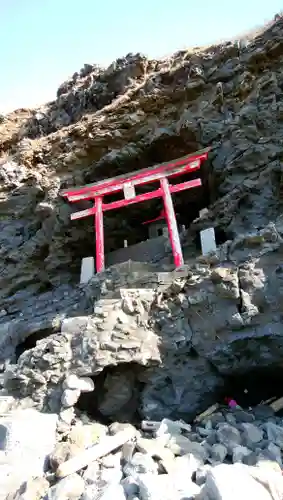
x: 127, y: 183
x: 161, y: 216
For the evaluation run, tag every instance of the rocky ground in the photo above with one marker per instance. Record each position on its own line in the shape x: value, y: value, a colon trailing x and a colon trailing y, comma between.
x: 154, y: 343
x: 223, y: 456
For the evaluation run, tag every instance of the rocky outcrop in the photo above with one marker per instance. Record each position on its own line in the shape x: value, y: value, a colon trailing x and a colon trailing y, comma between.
x: 225, y: 317
x: 141, y: 340
x: 176, y: 336
x: 179, y: 108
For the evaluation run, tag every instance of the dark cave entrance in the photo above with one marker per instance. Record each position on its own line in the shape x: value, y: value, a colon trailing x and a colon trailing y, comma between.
x: 118, y: 391
x: 129, y: 226
x: 131, y: 223
x: 31, y: 341
x: 124, y: 228
x: 256, y: 387
x: 116, y: 396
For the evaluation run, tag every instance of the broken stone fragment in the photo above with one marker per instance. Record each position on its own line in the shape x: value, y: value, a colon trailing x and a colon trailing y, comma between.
x: 201, y: 473
x: 128, y: 451
x: 156, y: 487
x: 74, y: 325
x: 127, y: 305
x: 83, y: 384
x: 45, y: 209
x: 71, y: 487
x: 154, y: 448
x: 67, y: 415
x: 218, y: 453
x: 130, y: 486
x: 24, y: 458
x: 239, y: 452
x: 168, y: 428
x: 6, y: 404
x: 16, y: 429
x: 118, y: 427
x: 70, y: 397
x: 112, y: 491
x: 166, y: 487
x: 180, y: 445
x: 85, y: 436
x: 229, y: 436
x: 34, y: 489
x: 62, y: 453
x: 91, y: 473
x: 140, y: 463
x: 91, y: 491
x: 112, y: 460
x: 150, y: 425
x: 111, y: 475
x: 274, y: 453
x: 274, y: 434
x: 252, y: 433
x: 187, y: 465
x: 252, y: 458
x: 231, y: 482
x: 226, y: 282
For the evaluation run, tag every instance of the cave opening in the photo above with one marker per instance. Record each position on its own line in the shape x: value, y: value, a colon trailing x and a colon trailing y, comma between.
x: 127, y: 236
x: 116, y: 395
x: 31, y: 341
x: 259, y: 386
x: 118, y: 391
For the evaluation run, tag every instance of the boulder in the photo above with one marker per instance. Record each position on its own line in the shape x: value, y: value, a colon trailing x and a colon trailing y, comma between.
x: 239, y: 481
x: 71, y: 487
x: 27, y: 440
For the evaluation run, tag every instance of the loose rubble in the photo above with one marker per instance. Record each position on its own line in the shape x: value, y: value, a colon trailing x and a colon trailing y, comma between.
x: 227, y: 455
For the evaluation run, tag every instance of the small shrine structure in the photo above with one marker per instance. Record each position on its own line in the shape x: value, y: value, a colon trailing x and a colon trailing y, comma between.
x: 127, y: 184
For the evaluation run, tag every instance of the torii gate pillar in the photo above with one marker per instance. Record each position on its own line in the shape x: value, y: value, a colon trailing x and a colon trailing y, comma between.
x: 99, y: 234
x: 172, y: 223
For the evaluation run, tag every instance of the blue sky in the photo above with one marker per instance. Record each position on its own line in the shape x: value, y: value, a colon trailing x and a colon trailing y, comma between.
x: 42, y: 42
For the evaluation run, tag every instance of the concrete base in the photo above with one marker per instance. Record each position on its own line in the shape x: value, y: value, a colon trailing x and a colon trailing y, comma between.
x: 87, y: 270
x: 207, y: 239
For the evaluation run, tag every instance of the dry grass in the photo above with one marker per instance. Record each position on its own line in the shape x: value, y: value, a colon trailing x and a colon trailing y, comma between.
x: 12, y: 125
x: 250, y: 34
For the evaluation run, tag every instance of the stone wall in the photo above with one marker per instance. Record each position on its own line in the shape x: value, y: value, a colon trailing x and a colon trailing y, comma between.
x: 152, y: 250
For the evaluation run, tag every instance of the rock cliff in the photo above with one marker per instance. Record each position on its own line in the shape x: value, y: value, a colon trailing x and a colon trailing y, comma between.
x: 226, y: 314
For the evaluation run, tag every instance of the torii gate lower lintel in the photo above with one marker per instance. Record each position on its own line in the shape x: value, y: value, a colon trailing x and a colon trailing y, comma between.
x: 127, y: 183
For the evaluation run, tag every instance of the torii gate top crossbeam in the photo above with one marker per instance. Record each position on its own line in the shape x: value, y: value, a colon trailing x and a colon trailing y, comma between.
x: 176, y: 167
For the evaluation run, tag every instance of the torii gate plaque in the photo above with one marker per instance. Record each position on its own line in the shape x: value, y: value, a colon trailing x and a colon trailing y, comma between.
x: 127, y: 183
